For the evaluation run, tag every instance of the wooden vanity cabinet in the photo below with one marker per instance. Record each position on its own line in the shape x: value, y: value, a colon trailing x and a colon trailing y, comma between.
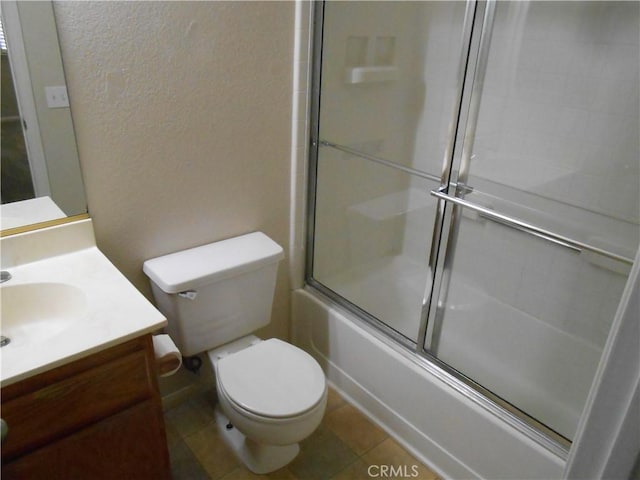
x: 99, y: 417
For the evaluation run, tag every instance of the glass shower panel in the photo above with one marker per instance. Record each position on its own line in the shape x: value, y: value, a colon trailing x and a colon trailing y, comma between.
x: 557, y: 141
x: 373, y: 226
x: 555, y: 146
x: 390, y: 78
x: 389, y: 89
x: 527, y: 319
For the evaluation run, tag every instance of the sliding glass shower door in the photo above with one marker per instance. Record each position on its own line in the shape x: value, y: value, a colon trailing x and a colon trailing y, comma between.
x: 389, y: 94
x: 476, y: 186
x: 541, y: 246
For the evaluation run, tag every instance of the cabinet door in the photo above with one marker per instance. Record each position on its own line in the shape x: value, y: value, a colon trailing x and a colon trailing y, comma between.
x: 124, y: 446
x: 55, y: 409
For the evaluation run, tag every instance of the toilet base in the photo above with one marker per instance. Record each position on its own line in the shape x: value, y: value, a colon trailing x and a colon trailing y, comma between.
x: 257, y: 457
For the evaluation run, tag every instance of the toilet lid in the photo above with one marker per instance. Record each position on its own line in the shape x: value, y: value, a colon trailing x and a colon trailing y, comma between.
x: 272, y: 379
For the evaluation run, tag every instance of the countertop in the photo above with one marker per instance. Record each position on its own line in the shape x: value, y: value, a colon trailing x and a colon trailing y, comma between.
x: 115, y: 310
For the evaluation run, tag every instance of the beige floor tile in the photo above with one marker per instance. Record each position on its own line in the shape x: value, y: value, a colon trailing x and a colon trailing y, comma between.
x: 321, y: 456
x: 211, y: 451
x: 191, y: 416
x: 334, y: 400
x: 332, y: 451
x: 355, y: 471
x: 242, y: 473
x: 173, y: 437
x: 353, y: 428
x: 391, y: 454
x: 184, y: 464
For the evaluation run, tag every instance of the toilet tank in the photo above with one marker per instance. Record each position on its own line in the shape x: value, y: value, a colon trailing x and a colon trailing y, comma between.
x: 216, y: 293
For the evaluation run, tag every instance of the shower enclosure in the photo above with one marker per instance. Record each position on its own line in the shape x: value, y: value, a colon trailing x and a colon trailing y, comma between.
x: 475, y: 187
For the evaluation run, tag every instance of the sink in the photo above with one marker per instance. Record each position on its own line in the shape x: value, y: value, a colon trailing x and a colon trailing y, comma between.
x: 65, y: 301
x: 33, y: 313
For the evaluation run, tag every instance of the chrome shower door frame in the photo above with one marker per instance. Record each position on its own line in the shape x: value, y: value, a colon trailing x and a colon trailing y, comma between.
x: 455, y: 169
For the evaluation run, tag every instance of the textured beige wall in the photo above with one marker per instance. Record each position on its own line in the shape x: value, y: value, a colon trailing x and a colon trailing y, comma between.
x: 183, y: 119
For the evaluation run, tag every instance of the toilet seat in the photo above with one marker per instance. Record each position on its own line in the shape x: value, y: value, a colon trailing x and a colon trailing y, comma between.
x: 272, y: 379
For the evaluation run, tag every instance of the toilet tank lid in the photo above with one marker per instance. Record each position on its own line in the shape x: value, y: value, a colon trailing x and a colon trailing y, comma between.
x: 195, y: 267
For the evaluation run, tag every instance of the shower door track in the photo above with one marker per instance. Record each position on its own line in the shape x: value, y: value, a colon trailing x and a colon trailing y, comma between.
x: 476, y: 32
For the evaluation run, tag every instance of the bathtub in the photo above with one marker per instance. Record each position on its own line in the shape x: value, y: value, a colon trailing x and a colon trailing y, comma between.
x: 438, y: 423
x: 543, y: 370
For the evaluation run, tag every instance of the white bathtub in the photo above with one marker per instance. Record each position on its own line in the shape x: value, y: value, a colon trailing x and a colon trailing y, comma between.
x: 541, y: 369
x: 438, y: 424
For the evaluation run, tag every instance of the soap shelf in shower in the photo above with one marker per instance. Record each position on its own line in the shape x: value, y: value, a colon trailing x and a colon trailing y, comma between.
x: 375, y: 74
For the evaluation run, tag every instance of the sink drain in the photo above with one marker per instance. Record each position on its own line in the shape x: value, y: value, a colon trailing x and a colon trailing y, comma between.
x: 4, y: 340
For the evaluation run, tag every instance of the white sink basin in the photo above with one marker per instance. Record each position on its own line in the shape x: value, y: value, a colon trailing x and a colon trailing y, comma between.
x: 64, y: 301
x: 34, y: 312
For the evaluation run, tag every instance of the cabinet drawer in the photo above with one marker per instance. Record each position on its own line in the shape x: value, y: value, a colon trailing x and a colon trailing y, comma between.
x: 55, y: 409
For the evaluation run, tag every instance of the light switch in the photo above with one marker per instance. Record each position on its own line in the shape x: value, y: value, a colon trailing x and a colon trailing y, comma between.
x: 57, y: 96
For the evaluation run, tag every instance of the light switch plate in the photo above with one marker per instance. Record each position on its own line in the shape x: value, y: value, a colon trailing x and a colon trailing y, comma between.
x: 57, y: 96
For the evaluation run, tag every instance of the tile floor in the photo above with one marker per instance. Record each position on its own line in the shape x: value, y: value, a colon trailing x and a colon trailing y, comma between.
x: 344, y: 447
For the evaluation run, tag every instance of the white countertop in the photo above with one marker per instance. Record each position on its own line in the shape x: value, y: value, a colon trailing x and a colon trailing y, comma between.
x: 116, y: 311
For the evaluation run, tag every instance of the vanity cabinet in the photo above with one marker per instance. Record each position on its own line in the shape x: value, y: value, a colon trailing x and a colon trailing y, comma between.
x: 99, y: 417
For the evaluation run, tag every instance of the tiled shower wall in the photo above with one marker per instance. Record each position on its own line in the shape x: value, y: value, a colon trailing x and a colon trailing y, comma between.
x: 404, y: 118
x: 559, y: 113
x: 557, y: 144
x: 557, y: 133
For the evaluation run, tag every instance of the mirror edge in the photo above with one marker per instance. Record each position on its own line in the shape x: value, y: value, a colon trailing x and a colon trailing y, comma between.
x: 39, y: 225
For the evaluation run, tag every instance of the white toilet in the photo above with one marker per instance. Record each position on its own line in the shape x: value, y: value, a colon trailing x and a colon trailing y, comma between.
x: 271, y: 394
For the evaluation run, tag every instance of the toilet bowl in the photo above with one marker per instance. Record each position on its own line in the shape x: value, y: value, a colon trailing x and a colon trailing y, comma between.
x: 271, y: 396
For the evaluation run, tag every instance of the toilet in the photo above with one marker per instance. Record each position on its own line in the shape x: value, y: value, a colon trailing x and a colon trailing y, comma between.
x: 271, y: 394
